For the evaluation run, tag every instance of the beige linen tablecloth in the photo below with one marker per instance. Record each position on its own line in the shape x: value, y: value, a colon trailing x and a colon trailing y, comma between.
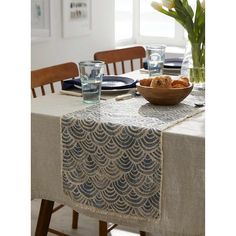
x: 183, y: 167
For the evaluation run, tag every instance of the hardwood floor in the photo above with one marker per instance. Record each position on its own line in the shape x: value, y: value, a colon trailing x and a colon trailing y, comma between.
x: 87, y: 226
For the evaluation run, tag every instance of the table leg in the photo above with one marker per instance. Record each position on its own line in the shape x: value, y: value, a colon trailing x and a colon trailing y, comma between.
x: 102, y: 228
x: 44, y: 217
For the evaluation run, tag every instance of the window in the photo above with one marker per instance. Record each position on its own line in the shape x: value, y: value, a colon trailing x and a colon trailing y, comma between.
x: 153, y: 23
x: 137, y: 22
x: 123, y: 20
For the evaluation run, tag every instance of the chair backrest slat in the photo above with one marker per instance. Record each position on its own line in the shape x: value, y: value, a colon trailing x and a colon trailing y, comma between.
x: 123, y: 67
x: 132, y: 65
x: 115, y: 70
x: 108, y: 71
x: 52, y: 88
x: 141, y: 62
x: 33, y: 93
x: 52, y: 74
x: 42, y: 90
x: 121, y: 55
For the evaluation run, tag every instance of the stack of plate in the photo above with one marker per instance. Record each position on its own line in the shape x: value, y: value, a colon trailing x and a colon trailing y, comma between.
x: 172, y: 66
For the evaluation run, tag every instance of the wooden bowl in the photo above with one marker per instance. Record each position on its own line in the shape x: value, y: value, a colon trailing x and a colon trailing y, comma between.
x: 164, y: 96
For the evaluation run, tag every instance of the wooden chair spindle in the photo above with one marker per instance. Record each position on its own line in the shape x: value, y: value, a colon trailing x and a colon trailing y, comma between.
x: 115, y: 70
x: 33, y: 93
x: 123, y: 67
x: 52, y: 88
x: 132, y: 65
x: 108, y: 71
x: 42, y: 90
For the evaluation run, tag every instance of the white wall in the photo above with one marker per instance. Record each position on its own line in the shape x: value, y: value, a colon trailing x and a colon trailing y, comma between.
x: 58, y: 50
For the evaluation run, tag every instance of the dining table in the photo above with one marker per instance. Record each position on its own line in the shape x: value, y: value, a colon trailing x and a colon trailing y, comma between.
x: 181, y: 204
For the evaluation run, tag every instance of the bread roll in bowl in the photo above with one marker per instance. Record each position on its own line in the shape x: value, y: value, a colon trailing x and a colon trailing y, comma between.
x: 185, y: 79
x: 145, y: 82
x: 163, y: 81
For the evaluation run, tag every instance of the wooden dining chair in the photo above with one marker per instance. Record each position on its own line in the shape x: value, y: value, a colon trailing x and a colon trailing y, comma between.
x: 50, y: 75
x: 115, y: 57
x: 39, y: 79
x: 123, y: 57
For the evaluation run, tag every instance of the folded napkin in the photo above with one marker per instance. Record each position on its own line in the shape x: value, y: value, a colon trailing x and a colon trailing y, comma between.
x: 69, y: 84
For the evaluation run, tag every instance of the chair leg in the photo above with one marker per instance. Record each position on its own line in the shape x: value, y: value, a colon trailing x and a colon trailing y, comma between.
x: 142, y: 233
x: 102, y: 228
x: 44, y: 217
x: 75, y: 217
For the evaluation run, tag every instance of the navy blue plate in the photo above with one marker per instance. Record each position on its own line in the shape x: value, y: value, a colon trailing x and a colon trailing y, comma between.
x: 109, y: 82
x: 115, y: 82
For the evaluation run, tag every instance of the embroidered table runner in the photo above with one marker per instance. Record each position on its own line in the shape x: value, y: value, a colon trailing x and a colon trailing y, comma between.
x: 112, y: 156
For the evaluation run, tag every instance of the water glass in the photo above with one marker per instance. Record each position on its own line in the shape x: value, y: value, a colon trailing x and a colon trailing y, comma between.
x: 91, y: 75
x: 155, y: 59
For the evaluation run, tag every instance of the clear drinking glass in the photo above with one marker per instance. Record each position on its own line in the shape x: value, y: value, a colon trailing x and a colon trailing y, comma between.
x: 91, y: 75
x: 155, y: 59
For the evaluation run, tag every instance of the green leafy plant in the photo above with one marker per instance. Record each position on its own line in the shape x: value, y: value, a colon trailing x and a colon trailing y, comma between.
x: 193, y: 22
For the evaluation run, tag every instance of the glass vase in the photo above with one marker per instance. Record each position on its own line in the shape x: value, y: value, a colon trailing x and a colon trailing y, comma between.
x: 187, y: 60
x: 193, y: 64
x: 197, y: 77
